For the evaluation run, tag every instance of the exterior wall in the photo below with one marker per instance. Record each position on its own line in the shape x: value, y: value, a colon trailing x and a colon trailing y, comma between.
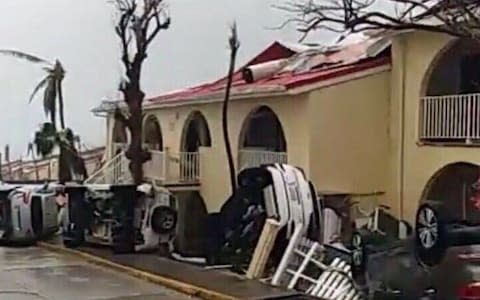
x: 348, y: 135
x: 415, y: 53
x: 215, y: 186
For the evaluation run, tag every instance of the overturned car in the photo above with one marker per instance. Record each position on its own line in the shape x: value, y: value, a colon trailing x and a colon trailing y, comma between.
x: 126, y: 217
x: 27, y: 212
x: 279, y: 192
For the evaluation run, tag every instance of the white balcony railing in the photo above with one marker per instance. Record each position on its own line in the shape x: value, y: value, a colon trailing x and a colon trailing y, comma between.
x: 166, y: 167
x: 189, y: 167
x: 256, y: 158
x: 452, y: 118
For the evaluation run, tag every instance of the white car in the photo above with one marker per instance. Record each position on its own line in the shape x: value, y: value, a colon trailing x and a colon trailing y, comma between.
x: 27, y: 212
x: 126, y: 217
x: 279, y: 191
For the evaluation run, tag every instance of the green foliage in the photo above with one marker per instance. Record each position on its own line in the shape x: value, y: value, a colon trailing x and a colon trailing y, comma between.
x: 49, y: 141
x: 51, y: 85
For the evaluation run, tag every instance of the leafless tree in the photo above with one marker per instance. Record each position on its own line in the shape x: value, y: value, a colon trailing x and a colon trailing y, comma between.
x: 139, y: 23
x: 234, y: 44
x: 460, y: 18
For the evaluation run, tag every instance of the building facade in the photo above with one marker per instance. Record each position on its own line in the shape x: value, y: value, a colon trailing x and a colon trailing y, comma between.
x: 396, y: 115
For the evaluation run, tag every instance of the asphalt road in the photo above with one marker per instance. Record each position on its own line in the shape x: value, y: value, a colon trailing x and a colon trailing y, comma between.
x: 37, y: 274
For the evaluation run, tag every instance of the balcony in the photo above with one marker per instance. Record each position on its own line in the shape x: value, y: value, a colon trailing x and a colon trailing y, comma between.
x: 451, y: 119
x: 165, y: 168
x: 256, y: 158
x: 172, y: 168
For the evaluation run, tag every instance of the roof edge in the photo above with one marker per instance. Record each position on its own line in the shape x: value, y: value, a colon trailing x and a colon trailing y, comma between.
x: 362, y: 70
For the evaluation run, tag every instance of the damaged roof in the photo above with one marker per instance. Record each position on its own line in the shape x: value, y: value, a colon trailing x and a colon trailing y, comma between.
x: 285, y: 67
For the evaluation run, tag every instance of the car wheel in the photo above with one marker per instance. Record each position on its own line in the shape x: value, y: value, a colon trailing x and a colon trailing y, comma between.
x: 164, y: 220
x: 359, y: 255
x: 430, y: 234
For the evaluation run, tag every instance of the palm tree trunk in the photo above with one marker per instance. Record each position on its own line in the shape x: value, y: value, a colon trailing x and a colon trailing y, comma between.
x: 226, y: 138
x: 60, y: 104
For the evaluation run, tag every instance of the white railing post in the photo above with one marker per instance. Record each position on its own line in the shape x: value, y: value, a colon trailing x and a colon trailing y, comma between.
x: 469, y: 119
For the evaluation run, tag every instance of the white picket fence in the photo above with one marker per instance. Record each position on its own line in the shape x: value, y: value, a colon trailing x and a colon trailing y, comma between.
x: 450, y: 117
x: 302, y: 268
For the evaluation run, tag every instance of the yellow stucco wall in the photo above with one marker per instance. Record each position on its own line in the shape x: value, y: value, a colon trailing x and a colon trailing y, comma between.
x: 348, y: 133
x: 214, y: 168
x: 336, y: 134
x: 415, y: 52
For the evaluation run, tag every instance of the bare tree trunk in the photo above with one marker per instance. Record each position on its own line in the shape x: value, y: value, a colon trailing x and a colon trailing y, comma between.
x: 139, y: 23
x: 234, y: 45
x: 135, y: 153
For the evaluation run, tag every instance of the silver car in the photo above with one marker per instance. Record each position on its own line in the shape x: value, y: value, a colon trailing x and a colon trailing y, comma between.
x: 27, y: 212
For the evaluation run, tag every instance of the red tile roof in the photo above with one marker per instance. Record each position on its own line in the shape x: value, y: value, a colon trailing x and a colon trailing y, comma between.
x: 305, y: 66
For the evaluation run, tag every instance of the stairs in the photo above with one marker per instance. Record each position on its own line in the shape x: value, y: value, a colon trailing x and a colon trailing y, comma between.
x: 115, y: 171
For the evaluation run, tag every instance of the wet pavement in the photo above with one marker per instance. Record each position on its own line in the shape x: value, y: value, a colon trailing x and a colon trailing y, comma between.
x: 37, y: 274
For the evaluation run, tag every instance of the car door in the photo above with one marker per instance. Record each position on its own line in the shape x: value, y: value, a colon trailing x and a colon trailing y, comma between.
x: 50, y: 212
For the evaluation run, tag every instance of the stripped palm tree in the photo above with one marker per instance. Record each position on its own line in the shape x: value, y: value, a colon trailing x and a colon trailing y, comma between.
x: 49, y: 140
x: 234, y: 44
x: 51, y: 85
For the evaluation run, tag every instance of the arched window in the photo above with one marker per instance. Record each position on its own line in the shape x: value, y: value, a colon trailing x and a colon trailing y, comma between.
x: 152, y: 134
x: 195, y: 133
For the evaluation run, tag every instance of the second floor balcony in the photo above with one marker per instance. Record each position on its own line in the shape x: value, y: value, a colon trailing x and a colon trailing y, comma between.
x: 450, y: 119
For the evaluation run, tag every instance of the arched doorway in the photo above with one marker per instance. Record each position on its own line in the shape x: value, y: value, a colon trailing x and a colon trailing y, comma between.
x: 262, y: 139
x: 152, y: 134
x: 195, y: 134
x: 453, y: 186
x: 451, y: 94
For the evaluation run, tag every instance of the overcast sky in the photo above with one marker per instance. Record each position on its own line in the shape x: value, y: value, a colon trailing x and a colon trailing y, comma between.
x: 80, y: 34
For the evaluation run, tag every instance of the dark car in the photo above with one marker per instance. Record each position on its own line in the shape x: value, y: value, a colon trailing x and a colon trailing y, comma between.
x: 440, y: 261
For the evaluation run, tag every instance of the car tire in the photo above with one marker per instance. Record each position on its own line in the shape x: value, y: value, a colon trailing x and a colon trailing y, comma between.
x: 359, y: 253
x: 430, y: 240
x: 164, y: 220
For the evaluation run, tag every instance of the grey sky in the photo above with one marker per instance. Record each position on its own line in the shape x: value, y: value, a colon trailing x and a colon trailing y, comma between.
x: 80, y: 34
